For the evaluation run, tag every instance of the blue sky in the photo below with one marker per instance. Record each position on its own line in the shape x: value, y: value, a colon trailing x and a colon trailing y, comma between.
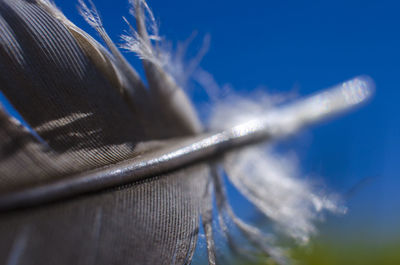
x: 303, y: 46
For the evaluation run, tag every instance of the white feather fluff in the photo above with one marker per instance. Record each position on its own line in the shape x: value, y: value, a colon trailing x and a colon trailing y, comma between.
x: 272, y: 181
x: 272, y: 184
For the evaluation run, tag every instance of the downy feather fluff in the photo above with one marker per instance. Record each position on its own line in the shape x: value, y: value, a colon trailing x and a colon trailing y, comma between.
x: 103, y: 169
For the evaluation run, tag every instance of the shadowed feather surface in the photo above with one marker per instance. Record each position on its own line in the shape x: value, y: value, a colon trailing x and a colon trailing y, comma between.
x: 73, y: 95
x: 152, y: 222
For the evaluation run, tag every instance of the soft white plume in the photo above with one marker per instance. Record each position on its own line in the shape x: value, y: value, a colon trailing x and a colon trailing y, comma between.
x: 271, y: 181
x: 91, y: 16
x: 157, y: 50
x: 145, y: 49
x: 235, y: 109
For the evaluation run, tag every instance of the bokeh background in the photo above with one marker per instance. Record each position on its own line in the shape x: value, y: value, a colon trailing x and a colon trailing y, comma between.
x: 301, y: 47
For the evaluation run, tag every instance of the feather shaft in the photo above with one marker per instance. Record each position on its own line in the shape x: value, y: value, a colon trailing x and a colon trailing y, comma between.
x: 277, y: 124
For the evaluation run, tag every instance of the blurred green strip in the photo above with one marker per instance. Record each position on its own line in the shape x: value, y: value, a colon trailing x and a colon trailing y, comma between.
x: 325, y: 252
x: 361, y: 253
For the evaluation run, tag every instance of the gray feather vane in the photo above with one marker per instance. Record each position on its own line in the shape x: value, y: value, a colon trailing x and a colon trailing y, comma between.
x: 99, y: 168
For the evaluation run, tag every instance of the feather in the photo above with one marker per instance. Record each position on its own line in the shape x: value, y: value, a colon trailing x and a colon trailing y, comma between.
x: 102, y: 169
